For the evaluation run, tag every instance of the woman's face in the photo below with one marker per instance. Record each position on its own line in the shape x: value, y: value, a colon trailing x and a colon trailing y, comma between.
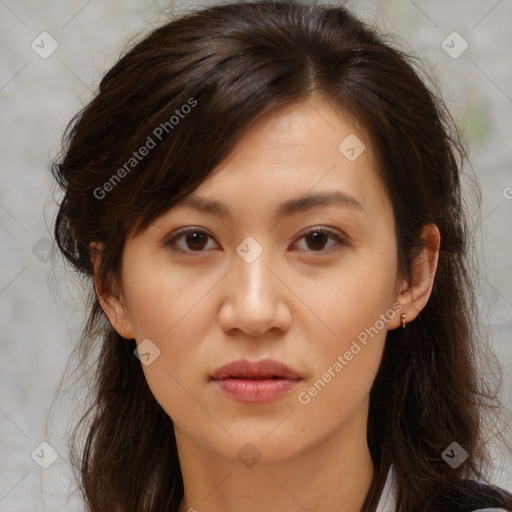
x: 273, y: 271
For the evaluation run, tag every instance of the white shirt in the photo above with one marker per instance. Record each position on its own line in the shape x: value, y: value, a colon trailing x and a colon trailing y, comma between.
x: 387, y: 500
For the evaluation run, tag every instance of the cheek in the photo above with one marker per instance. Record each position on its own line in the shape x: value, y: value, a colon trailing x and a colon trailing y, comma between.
x: 156, y: 297
x: 351, y: 298
x: 171, y: 380
x: 345, y: 363
x: 354, y: 304
x: 171, y: 315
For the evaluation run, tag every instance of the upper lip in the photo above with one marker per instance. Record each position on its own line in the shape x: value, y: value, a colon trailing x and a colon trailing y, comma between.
x: 244, y: 369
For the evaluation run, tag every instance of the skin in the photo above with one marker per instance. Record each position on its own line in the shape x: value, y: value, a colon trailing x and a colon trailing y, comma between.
x: 300, y: 302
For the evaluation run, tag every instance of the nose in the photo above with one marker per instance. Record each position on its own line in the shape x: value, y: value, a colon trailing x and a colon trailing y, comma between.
x: 254, y: 299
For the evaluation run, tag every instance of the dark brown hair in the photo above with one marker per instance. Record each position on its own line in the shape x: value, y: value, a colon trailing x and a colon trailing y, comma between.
x: 231, y: 64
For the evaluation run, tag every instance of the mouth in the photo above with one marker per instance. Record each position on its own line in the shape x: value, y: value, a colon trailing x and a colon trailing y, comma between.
x: 255, y: 382
x: 257, y: 370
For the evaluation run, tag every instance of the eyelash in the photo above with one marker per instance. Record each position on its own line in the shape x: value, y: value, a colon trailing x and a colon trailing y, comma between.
x: 341, y: 241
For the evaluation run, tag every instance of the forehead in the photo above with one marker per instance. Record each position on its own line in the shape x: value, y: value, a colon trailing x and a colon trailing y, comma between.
x: 305, y: 148
x: 305, y: 154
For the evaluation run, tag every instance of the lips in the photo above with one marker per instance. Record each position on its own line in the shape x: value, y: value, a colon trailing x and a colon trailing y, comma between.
x: 263, y: 369
x: 255, y: 382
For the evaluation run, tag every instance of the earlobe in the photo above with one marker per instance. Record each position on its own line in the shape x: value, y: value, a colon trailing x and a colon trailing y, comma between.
x: 415, y: 295
x: 111, y: 302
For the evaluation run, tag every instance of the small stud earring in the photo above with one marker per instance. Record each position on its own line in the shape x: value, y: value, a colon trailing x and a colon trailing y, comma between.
x: 402, y: 320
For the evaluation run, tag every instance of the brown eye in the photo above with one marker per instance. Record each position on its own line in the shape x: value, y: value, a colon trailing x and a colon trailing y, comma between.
x: 190, y: 240
x: 193, y: 240
x: 317, y: 238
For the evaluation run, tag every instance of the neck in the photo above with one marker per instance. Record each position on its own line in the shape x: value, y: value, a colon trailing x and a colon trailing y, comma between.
x: 336, y: 474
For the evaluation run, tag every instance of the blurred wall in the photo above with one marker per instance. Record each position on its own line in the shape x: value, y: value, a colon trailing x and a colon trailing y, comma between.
x: 45, y: 79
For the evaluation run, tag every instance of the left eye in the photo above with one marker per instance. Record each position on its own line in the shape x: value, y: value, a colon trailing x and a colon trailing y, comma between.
x: 319, y: 237
x: 196, y: 240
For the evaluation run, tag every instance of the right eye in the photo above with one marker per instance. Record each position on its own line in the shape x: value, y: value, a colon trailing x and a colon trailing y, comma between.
x: 189, y: 238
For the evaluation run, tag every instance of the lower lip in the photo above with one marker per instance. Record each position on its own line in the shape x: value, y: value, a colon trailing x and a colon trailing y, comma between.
x: 256, y: 391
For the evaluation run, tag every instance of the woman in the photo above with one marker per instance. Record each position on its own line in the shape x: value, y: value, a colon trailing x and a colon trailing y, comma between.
x: 267, y: 199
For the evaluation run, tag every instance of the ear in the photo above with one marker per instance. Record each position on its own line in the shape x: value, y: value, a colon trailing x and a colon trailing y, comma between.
x: 414, y: 295
x: 112, y: 301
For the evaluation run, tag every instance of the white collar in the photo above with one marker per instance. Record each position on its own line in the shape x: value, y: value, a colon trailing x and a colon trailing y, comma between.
x: 387, y: 498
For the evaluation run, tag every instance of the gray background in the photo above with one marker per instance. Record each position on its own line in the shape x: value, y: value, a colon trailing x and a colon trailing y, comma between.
x: 41, y: 313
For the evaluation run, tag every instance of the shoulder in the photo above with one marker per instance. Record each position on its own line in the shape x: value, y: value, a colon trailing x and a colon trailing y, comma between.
x: 470, y: 496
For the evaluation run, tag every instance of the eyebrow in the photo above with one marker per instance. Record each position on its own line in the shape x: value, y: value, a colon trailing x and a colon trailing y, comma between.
x: 289, y: 207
